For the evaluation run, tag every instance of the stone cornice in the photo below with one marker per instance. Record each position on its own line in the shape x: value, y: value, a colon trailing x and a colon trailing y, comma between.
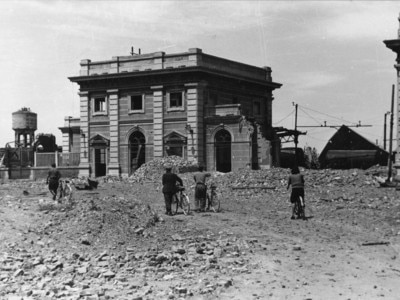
x: 196, y: 69
x: 157, y: 87
x: 113, y: 92
x: 83, y: 93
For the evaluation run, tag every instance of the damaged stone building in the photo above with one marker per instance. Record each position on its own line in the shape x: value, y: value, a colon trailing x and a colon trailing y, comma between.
x: 207, y: 109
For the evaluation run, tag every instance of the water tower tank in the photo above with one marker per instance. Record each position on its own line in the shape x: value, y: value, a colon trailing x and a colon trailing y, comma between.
x: 24, y: 123
x: 24, y: 119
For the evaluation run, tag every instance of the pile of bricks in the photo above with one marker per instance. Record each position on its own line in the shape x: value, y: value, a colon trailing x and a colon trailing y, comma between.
x: 153, y: 170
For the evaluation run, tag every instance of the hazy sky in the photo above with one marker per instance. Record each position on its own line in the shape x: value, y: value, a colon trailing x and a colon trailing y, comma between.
x: 329, y: 55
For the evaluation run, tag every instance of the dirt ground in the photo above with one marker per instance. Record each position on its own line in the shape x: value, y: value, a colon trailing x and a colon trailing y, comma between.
x: 115, y: 242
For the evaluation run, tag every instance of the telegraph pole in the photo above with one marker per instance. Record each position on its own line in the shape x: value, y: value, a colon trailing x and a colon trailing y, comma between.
x: 391, y: 137
x: 384, y: 132
x: 296, y: 136
x: 296, y: 140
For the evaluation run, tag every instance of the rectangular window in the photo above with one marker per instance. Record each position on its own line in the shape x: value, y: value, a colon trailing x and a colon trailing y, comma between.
x: 99, y: 105
x: 175, y: 150
x: 213, y: 100
x: 257, y: 108
x: 137, y: 103
x: 175, y: 100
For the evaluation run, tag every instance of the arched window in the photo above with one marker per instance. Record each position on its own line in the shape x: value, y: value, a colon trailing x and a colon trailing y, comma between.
x: 137, y: 145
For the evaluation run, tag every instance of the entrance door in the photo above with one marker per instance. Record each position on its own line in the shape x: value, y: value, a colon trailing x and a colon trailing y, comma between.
x: 100, y: 159
x: 223, y: 152
x: 137, y: 145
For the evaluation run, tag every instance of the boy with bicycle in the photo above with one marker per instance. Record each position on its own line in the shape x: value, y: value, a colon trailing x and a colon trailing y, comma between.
x: 200, y: 192
x: 52, y: 180
x: 296, y: 180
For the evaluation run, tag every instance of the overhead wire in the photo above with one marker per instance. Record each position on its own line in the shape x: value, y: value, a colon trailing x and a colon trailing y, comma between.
x: 276, y: 123
x: 333, y: 117
x: 318, y: 122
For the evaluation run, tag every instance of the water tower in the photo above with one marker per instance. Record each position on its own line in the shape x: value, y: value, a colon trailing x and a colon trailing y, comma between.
x: 24, y: 123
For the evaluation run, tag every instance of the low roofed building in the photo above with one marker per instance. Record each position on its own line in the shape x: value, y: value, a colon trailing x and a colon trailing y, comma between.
x: 347, y: 149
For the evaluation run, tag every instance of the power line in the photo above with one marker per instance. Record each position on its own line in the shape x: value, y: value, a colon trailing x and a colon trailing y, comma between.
x: 309, y: 115
x: 327, y: 115
x: 276, y: 123
x: 330, y: 126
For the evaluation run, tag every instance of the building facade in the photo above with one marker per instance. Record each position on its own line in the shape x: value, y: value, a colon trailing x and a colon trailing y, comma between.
x: 207, y: 109
x: 394, y: 45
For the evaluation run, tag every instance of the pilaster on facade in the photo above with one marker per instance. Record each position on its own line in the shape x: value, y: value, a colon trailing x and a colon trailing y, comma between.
x: 113, y: 167
x: 397, y: 114
x: 85, y: 134
x: 158, y: 122
x: 194, y: 92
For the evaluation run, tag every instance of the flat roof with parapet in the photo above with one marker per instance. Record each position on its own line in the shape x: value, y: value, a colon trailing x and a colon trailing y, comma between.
x: 158, y: 62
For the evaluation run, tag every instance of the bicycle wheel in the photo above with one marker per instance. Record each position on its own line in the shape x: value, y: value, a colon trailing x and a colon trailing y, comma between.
x: 175, y: 199
x: 214, y: 202
x: 301, y: 208
x: 184, y: 203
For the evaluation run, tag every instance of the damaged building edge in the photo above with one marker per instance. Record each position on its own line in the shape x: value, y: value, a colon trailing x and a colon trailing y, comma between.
x: 207, y: 109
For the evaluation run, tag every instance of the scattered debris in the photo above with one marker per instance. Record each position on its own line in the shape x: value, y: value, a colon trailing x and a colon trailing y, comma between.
x: 375, y: 243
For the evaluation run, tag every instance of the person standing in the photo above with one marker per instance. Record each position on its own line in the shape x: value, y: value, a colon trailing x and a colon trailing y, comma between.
x: 296, y: 180
x: 169, y: 181
x: 200, y: 192
x: 53, y: 178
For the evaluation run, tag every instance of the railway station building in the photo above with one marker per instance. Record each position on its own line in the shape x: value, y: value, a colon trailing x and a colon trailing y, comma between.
x: 206, y: 109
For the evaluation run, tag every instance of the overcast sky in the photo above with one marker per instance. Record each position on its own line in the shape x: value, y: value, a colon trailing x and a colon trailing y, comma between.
x: 329, y: 55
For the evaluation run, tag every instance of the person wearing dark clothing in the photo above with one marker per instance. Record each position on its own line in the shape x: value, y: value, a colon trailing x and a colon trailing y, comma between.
x: 296, y: 180
x: 200, y: 192
x: 169, y: 181
x: 53, y: 178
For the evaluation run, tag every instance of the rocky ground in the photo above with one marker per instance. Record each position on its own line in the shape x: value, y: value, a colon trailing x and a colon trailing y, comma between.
x: 115, y: 242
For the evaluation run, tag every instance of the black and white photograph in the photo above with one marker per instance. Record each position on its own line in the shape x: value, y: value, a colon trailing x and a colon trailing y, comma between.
x: 199, y: 150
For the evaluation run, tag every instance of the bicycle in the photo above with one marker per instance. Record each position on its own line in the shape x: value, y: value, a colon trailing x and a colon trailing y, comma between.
x: 299, y: 208
x: 65, y: 191
x: 182, y: 200
x: 213, y: 202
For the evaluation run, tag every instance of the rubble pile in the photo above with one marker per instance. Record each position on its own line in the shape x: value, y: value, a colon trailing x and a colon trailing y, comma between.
x: 277, y: 178
x: 188, y: 267
x: 99, y: 220
x: 111, y: 242
x: 327, y: 185
x: 153, y: 170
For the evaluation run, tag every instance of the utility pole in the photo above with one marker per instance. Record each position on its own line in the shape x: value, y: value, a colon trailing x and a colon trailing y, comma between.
x: 391, y: 137
x: 296, y: 137
x: 384, y: 132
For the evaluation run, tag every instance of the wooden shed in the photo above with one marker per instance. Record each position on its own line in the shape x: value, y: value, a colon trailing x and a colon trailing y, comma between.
x: 347, y: 149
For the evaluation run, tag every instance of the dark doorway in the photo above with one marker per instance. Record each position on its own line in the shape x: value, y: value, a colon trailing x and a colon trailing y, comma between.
x: 137, y: 144
x: 223, y: 151
x: 100, y: 162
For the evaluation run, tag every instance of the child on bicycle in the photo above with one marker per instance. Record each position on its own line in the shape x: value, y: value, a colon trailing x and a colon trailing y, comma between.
x: 296, y: 180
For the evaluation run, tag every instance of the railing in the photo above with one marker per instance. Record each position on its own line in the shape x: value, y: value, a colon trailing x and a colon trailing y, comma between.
x: 69, y: 159
x: 59, y: 159
x: 223, y: 110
